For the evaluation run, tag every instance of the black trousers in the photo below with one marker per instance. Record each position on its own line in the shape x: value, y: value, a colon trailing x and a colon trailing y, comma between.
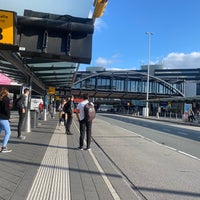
x: 62, y: 119
x: 191, y: 118
x: 69, y: 122
x: 85, y: 127
x: 20, y: 123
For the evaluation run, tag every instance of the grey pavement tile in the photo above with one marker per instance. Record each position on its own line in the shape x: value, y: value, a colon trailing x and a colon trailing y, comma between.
x: 6, y: 184
x: 19, y: 167
x: 7, y: 166
x: 8, y: 176
x: 5, y: 193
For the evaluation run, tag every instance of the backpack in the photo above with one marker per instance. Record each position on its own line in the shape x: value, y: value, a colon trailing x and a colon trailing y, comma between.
x: 17, y: 102
x: 69, y: 107
x: 89, y: 111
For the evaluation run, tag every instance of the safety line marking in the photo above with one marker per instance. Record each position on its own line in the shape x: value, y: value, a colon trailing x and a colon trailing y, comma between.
x: 105, y: 178
x: 52, y: 178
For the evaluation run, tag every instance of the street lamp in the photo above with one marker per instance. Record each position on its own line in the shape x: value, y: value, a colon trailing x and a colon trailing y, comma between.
x: 147, y: 96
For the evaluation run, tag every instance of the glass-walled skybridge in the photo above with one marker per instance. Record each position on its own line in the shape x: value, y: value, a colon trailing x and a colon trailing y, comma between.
x: 124, y: 84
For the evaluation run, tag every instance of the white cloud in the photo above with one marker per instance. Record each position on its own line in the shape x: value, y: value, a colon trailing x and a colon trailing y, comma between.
x: 99, y: 24
x: 103, y: 61
x: 107, y: 62
x: 182, y: 60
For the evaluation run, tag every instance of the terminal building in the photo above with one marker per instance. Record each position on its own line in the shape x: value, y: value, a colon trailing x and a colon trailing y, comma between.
x: 126, y: 90
x: 168, y: 88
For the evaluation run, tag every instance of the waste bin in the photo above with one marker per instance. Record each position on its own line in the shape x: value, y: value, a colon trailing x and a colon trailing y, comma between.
x: 34, y: 118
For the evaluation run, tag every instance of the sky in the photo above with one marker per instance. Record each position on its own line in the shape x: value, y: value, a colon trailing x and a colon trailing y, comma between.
x: 120, y: 40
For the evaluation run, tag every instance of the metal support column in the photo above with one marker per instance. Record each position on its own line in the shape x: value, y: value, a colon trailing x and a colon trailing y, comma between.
x: 27, y: 121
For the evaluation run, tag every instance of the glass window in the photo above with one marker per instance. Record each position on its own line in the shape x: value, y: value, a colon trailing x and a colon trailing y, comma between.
x: 103, y: 83
x: 118, y: 84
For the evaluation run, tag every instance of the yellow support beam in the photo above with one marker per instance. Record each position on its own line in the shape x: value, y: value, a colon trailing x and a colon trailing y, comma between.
x: 100, y: 6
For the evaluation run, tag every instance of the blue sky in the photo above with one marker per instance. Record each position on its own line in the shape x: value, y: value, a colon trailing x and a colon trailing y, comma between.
x: 119, y: 40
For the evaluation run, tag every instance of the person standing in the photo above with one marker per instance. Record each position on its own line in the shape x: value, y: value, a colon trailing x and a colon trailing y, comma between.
x: 61, y: 114
x: 69, y: 112
x: 4, y: 119
x: 85, y: 125
x: 22, y: 109
x: 41, y: 107
x: 191, y: 115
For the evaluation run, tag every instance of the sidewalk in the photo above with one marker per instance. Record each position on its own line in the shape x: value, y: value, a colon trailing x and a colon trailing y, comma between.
x: 19, y: 167
x: 48, y: 165
x: 168, y: 119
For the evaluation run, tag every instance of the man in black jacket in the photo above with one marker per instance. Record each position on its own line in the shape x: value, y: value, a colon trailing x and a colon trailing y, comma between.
x: 22, y: 108
x: 69, y: 112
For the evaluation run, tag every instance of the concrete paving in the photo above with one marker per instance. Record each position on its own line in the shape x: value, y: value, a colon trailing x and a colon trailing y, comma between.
x: 48, y: 165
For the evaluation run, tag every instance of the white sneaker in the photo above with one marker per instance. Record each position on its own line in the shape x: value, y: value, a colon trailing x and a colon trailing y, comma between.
x: 21, y: 137
x: 5, y: 150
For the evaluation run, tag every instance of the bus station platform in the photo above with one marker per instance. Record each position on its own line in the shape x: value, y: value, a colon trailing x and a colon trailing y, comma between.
x: 48, y: 166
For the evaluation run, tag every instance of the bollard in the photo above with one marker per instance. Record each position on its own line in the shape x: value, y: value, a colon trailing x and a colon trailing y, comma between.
x: 45, y: 114
x: 27, y: 123
x: 34, y: 118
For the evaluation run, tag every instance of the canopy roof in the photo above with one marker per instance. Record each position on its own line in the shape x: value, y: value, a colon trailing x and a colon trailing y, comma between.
x: 48, y: 50
x: 43, y: 74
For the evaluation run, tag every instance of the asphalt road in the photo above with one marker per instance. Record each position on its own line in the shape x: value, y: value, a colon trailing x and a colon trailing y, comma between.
x: 159, y: 160
x: 178, y: 136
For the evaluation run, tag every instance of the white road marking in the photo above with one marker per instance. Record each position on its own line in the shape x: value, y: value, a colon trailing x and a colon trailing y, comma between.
x: 105, y: 178
x: 171, y: 148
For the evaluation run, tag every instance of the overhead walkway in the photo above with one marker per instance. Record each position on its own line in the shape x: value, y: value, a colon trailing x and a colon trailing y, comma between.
x: 125, y: 84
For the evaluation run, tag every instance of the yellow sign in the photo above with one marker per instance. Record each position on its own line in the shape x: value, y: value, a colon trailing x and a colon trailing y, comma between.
x: 57, y: 98
x: 7, y: 27
x: 52, y: 90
